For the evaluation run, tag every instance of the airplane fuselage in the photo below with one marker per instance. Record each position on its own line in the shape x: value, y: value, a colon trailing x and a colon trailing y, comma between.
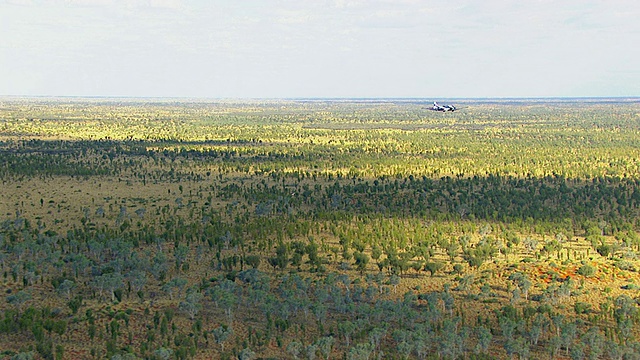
x: 443, y: 108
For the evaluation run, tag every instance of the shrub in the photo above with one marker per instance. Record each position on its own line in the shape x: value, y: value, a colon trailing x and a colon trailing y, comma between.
x: 582, y: 308
x: 625, y: 265
x: 631, y: 286
x: 587, y: 270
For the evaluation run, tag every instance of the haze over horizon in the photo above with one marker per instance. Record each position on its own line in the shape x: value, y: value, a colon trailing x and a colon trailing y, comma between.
x: 319, y: 49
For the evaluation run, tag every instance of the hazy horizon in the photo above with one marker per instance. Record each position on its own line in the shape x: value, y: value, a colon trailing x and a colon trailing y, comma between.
x: 337, y: 99
x: 324, y: 49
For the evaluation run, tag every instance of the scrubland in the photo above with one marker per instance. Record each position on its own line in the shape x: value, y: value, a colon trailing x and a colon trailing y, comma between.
x: 160, y: 229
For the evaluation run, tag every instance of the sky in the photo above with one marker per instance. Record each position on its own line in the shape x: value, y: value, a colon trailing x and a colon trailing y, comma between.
x: 320, y: 48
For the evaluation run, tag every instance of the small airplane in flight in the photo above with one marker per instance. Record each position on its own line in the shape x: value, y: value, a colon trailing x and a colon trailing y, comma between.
x: 443, y: 108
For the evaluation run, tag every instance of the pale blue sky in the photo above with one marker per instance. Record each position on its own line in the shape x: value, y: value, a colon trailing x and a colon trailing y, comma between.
x: 323, y: 48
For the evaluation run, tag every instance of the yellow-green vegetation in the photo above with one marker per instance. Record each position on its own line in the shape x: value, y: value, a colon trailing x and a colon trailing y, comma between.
x: 318, y: 229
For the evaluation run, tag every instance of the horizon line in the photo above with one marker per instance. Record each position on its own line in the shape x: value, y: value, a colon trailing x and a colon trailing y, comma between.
x: 313, y: 98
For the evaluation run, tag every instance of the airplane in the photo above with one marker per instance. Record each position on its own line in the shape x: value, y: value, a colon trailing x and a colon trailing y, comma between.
x: 443, y: 108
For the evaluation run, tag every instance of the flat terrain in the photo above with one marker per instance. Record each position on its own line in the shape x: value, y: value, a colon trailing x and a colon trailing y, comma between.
x: 161, y: 229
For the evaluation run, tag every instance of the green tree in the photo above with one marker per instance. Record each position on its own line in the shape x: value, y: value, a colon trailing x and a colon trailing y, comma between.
x: 433, y: 267
x: 325, y: 344
x: 294, y: 348
x: 192, y: 303
x: 484, y: 337
x: 361, y: 261
x: 221, y: 335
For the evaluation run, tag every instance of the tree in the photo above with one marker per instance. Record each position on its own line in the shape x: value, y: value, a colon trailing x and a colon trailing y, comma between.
x: 325, y: 344
x: 246, y: 354
x: 376, y: 252
x: 507, y: 325
x: 346, y: 328
x: 79, y: 264
x: 221, y: 334
x: 23, y: 356
x: 417, y: 266
x: 448, y: 301
x: 577, y: 351
x: 159, y: 267
x: 484, y: 339
x: 315, y: 260
x: 66, y: 287
x: 530, y: 244
x: 375, y: 337
x: 452, y: 248
x: 405, y: 348
x: 538, y: 325
x: 596, y: 341
x: 294, y: 348
x: 522, y: 282
x: 252, y: 260
x: 109, y: 282
x: 568, y: 334
x: 553, y: 346
x: 360, y: 352
x: 163, y: 353
x: 448, y: 341
x: 19, y: 298
x: 466, y: 282
x: 180, y: 254
x: 59, y: 351
x: 281, y: 260
x: 474, y: 258
x: 362, y: 260
x: 191, y: 304
x: 614, y: 350
x: 311, y: 351
x: 224, y: 296
x: 433, y: 267
x: 137, y: 279
x: 394, y: 280
x: 518, y: 346
x: 176, y: 284
x: 625, y: 312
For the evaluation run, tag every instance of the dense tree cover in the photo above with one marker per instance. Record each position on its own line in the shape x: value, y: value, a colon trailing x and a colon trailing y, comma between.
x: 319, y: 230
